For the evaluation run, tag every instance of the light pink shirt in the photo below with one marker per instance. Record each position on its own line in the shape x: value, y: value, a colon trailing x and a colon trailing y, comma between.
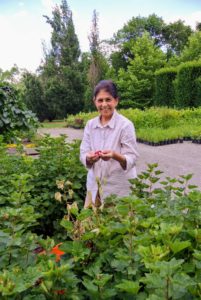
x: 117, y: 135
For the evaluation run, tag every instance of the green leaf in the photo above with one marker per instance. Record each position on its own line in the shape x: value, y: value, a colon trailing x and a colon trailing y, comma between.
x: 90, y: 286
x: 190, y: 186
x: 67, y: 224
x: 84, y: 214
x: 178, y: 245
x: 131, y: 287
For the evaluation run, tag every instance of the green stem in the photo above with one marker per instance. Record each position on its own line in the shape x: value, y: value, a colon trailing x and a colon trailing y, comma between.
x: 167, y: 288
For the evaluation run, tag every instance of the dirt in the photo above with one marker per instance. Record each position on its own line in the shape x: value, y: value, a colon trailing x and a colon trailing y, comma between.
x: 174, y: 160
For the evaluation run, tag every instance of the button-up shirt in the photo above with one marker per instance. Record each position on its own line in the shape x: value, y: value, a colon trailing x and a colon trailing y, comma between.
x: 117, y: 135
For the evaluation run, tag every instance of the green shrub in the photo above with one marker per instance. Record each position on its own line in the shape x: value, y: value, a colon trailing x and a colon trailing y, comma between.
x: 14, y: 116
x: 58, y: 161
x: 198, y: 92
x: 144, y: 246
x: 167, y: 123
x: 164, y: 92
x: 187, y: 86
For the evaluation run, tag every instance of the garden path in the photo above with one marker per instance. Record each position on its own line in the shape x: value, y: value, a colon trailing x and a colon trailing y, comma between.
x: 173, y: 160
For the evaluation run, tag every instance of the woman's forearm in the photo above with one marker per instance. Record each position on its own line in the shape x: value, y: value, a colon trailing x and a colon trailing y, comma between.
x: 120, y: 158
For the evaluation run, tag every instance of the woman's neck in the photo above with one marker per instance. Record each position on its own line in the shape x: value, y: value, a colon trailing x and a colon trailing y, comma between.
x: 104, y: 121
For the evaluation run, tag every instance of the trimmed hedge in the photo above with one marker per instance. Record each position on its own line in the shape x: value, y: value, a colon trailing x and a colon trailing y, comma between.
x: 198, y: 92
x: 188, y: 88
x: 165, y: 93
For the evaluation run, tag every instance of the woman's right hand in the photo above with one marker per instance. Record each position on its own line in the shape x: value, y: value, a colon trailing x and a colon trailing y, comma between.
x: 92, y: 157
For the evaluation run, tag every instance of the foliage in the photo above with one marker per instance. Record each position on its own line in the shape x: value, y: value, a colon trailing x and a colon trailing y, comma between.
x: 192, y: 49
x: 98, y: 65
x: 164, y: 90
x: 32, y: 95
x: 176, y: 37
x: 131, y: 31
x: 171, y: 38
x: 144, y: 246
x: 187, y: 94
x: 154, y: 124
x: 10, y: 75
x: 198, y: 91
x: 15, y: 118
x: 61, y: 79
x: 136, y: 84
x: 58, y: 161
x: 139, y: 247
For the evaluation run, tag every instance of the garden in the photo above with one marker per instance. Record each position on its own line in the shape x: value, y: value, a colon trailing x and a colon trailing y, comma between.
x: 146, y: 246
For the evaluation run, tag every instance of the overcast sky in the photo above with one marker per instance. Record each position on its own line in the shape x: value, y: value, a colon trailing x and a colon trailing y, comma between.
x: 23, y: 27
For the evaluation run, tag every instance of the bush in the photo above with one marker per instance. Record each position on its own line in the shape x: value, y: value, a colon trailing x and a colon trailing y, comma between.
x: 164, y: 93
x: 58, y: 162
x: 144, y: 246
x: 187, y: 86
x: 198, y: 92
x: 14, y: 116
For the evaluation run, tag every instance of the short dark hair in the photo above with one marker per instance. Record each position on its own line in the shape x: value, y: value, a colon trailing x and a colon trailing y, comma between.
x: 107, y: 85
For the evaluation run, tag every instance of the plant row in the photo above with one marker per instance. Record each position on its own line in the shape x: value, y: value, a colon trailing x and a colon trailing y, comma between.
x: 155, y: 125
x: 157, y: 136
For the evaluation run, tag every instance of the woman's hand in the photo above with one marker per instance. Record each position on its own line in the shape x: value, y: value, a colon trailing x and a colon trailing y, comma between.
x: 92, y: 157
x: 106, y: 154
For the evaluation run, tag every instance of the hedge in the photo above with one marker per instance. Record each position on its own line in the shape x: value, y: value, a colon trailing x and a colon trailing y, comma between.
x: 188, y: 89
x: 165, y: 94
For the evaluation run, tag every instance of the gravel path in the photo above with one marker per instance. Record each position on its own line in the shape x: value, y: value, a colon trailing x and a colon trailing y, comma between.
x: 173, y: 160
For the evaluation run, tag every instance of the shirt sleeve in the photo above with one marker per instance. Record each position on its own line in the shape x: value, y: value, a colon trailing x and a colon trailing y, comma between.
x: 85, y: 146
x: 129, y: 146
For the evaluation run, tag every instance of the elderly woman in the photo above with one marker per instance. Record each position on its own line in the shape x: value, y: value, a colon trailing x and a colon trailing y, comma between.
x: 108, y: 149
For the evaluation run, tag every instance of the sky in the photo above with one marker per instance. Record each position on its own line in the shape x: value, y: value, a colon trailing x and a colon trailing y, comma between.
x: 23, y: 27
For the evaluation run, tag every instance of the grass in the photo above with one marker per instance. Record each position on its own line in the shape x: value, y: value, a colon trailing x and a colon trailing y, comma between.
x: 54, y: 124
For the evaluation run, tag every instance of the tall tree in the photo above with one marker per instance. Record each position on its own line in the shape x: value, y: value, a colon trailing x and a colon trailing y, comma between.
x: 136, y: 84
x: 171, y: 38
x: 98, y: 64
x: 32, y: 95
x: 176, y: 36
x: 61, y: 78
x: 123, y: 40
x: 192, y: 51
x: 11, y: 76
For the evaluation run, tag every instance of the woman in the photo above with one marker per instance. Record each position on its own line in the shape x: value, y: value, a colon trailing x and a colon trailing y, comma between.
x: 108, y: 149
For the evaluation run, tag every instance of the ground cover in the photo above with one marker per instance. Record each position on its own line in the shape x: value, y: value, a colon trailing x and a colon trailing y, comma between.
x: 155, y: 125
x: 53, y: 124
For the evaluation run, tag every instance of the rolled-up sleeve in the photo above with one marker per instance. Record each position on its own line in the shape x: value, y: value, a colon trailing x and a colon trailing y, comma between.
x: 85, y: 146
x: 129, y: 146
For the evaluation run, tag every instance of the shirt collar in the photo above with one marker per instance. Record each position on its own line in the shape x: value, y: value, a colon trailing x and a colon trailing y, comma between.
x: 110, y: 124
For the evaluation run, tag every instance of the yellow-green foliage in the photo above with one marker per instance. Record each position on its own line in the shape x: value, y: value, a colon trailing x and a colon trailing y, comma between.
x: 155, y: 123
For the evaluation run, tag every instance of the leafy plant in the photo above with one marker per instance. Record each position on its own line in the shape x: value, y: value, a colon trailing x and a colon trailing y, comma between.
x: 14, y: 116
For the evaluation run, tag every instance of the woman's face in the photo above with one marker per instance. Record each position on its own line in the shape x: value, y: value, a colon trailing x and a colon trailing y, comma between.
x: 105, y: 104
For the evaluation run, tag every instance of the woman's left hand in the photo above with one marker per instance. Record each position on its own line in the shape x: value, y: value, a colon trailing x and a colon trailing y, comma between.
x: 106, y: 154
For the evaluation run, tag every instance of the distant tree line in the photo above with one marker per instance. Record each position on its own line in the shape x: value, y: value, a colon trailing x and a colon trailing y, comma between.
x: 144, y: 58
